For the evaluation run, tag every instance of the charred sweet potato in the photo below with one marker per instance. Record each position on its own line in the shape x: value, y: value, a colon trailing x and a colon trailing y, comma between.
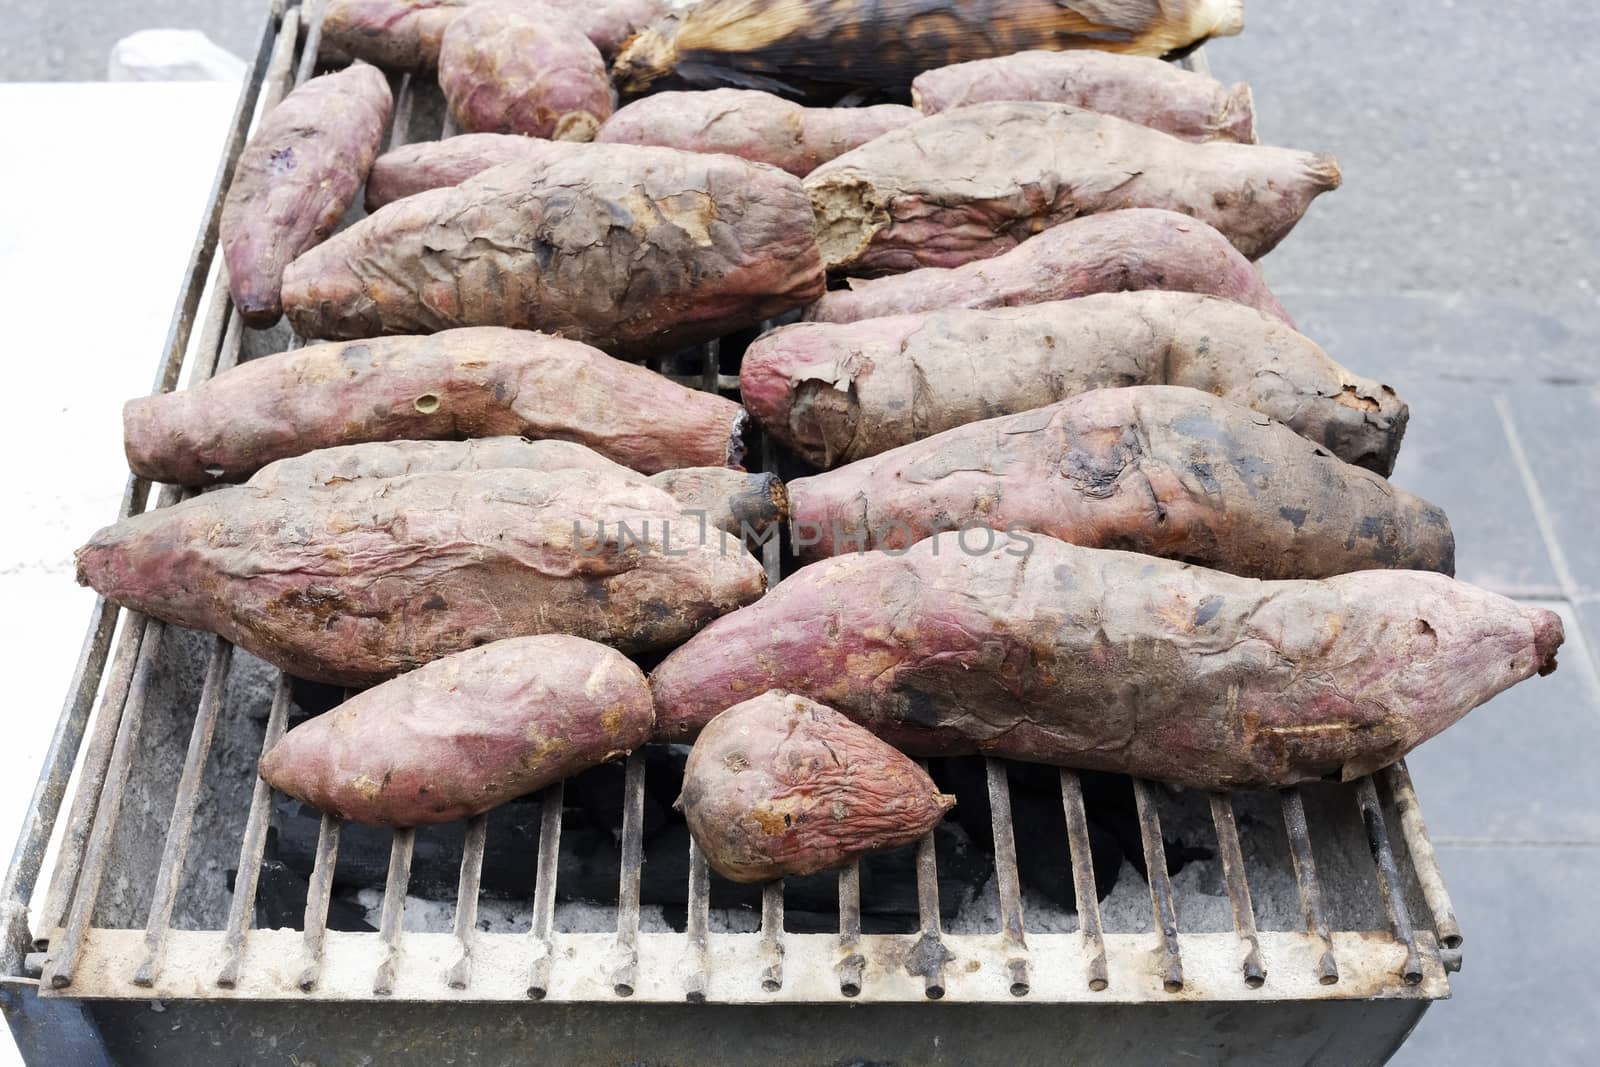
x: 1115, y: 661
x: 730, y: 500
x: 780, y: 786
x: 757, y: 126
x: 820, y: 49
x: 415, y: 168
x: 634, y: 250
x: 977, y: 181
x: 466, y: 733
x: 479, y: 382
x: 518, y: 68
x: 295, y: 179
x: 356, y: 583
x: 837, y: 392
x: 1151, y: 468
x: 1114, y: 252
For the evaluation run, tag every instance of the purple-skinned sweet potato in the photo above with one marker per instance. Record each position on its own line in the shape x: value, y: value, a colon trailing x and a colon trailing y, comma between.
x: 1151, y: 92
x: 1158, y: 469
x: 635, y: 250
x: 780, y: 786
x: 478, y: 382
x: 1139, y: 248
x: 424, y: 165
x: 466, y: 733
x: 295, y: 178
x: 1115, y: 661
x: 356, y: 583
x: 978, y: 181
x: 838, y: 392
x: 516, y: 68
x: 753, y: 125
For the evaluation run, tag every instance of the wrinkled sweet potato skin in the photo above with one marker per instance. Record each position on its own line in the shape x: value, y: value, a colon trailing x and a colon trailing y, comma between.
x: 1189, y: 106
x: 415, y: 168
x: 356, y: 583
x: 512, y: 68
x: 399, y: 35
x: 634, y: 250
x: 978, y: 181
x: 1158, y: 469
x: 840, y: 392
x: 1115, y: 661
x: 295, y: 179
x: 478, y: 382
x: 753, y: 125
x: 1115, y: 252
x: 781, y: 786
x: 466, y: 733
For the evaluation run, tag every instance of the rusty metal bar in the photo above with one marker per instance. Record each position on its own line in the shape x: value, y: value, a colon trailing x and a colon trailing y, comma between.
x: 449, y: 127
x: 772, y: 936
x: 852, y: 964
x: 404, y: 100
x: 392, y: 918
x: 625, y: 977
x: 241, y: 913
x: 228, y: 357
x: 1233, y: 873
x: 317, y: 896
x: 697, y: 979
x: 1305, y: 875
x: 711, y: 365
x: 308, y: 56
x: 1007, y: 880
x: 1162, y: 905
x: 460, y: 975
x: 1083, y: 883
x: 1423, y: 859
x: 544, y: 890
x: 280, y: 71
x: 1394, y: 900
x: 928, y: 959
x: 181, y: 824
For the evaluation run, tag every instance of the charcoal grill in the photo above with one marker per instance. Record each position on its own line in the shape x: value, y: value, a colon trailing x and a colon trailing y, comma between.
x: 130, y: 946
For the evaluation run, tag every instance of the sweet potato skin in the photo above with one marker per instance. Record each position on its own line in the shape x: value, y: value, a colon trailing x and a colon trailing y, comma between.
x: 840, y: 392
x: 1153, y: 93
x: 1116, y: 661
x: 1133, y: 249
x: 295, y: 179
x: 476, y: 382
x: 399, y: 35
x: 356, y: 583
x: 466, y: 733
x: 752, y: 125
x: 631, y: 249
x: 510, y: 68
x: 424, y: 165
x: 781, y: 786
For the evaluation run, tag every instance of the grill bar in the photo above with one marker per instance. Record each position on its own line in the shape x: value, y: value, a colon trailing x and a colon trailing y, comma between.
x: 1420, y: 846
x: 1233, y: 873
x: 544, y: 890
x: 394, y: 908
x: 1162, y: 905
x: 313, y: 45
x: 852, y: 964
x: 400, y: 123
x: 1305, y: 874
x: 772, y: 936
x: 697, y: 980
x: 928, y: 958
x: 242, y: 911
x: 1083, y: 883
x: 625, y: 978
x: 1394, y: 901
x: 317, y: 896
x: 1007, y: 880
x: 460, y: 974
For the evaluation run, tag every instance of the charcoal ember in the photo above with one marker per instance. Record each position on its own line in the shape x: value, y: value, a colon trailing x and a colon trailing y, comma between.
x: 281, y: 901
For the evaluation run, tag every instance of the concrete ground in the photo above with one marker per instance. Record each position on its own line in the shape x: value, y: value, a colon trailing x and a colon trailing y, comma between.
x: 1459, y: 263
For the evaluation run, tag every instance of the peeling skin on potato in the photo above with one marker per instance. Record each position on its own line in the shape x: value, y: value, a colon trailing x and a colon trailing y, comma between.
x: 781, y: 785
x: 1116, y: 661
x: 466, y: 733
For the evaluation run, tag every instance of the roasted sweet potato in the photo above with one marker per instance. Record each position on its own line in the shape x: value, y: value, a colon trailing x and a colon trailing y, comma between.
x: 753, y: 125
x: 356, y: 583
x: 295, y: 179
x: 634, y: 250
x: 479, y: 382
x: 1117, y: 251
x: 415, y: 168
x: 466, y: 733
x: 820, y: 49
x: 977, y: 181
x: 780, y: 785
x: 730, y: 500
x: 1151, y: 468
x: 1115, y: 661
x: 1153, y: 93
x: 836, y: 392
x: 518, y: 68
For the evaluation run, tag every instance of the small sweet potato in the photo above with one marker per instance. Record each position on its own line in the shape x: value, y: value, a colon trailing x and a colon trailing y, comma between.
x: 837, y: 392
x: 295, y: 178
x: 466, y: 733
x: 977, y: 181
x: 358, y: 582
x: 1114, y: 661
x: 478, y: 382
x: 415, y: 168
x: 1151, y: 468
x: 781, y: 786
x: 1113, y: 252
x: 634, y: 250
x: 1189, y: 106
x: 757, y: 126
